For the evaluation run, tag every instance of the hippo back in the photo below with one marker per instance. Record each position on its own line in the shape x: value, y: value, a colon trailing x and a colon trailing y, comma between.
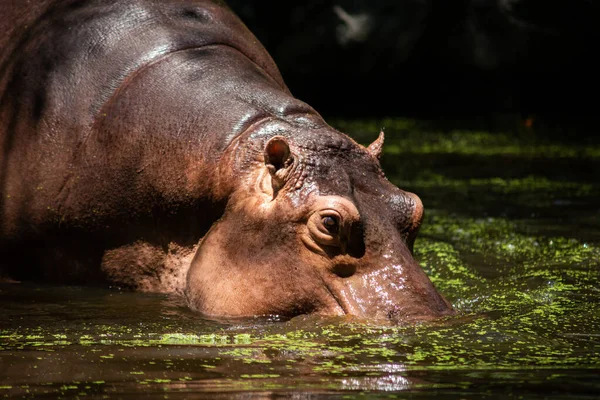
x: 113, y: 116
x: 96, y: 45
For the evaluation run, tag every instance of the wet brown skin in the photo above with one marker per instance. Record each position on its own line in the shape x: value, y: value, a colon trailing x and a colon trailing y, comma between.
x: 153, y: 145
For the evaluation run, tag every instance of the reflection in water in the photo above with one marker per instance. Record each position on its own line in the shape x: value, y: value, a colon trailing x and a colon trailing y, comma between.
x: 392, y: 382
x: 501, y: 239
x: 385, y: 383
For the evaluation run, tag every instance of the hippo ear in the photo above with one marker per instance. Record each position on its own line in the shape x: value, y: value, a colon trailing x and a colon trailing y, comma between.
x: 277, y: 160
x: 376, y: 147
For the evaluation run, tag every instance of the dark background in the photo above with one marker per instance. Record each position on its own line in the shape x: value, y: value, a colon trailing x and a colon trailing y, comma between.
x: 473, y: 61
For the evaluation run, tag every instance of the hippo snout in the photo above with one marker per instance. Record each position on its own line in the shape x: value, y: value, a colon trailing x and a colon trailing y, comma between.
x: 389, y: 292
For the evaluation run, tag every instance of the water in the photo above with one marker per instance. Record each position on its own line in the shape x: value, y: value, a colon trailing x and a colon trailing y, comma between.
x: 511, y: 236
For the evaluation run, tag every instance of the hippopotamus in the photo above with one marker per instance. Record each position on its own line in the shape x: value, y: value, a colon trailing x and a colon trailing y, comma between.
x: 153, y: 145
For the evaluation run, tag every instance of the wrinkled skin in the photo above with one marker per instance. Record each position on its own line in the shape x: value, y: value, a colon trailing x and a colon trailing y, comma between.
x: 153, y: 145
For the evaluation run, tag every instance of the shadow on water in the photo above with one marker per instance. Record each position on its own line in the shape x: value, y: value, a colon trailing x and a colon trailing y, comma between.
x: 511, y: 236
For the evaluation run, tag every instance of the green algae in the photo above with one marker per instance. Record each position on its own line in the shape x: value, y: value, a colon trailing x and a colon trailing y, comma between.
x: 406, y: 136
x: 526, y: 292
x: 498, y: 238
x: 342, y: 348
x: 530, y: 184
x: 486, y: 144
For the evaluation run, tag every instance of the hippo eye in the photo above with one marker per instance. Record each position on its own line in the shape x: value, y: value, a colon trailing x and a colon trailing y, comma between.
x: 331, y: 224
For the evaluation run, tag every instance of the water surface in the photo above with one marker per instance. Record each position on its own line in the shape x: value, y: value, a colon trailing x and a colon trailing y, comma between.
x: 511, y: 236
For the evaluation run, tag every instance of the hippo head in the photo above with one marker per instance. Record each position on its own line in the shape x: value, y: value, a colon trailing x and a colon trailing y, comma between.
x: 312, y: 226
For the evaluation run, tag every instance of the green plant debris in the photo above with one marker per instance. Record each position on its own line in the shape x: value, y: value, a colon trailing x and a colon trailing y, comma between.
x: 405, y: 136
x: 524, y: 284
x: 498, y: 185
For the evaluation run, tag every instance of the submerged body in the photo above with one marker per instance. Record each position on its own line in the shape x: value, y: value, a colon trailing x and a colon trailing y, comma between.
x: 154, y: 145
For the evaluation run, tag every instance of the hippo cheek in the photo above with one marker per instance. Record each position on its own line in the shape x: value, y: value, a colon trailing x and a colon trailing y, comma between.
x: 238, y: 273
x: 388, y: 288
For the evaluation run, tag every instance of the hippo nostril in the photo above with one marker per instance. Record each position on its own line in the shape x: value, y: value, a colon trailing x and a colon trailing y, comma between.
x: 344, y: 270
x: 393, y: 314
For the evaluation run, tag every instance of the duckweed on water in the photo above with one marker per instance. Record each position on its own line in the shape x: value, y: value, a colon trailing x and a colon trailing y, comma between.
x: 486, y: 144
x: 526, y: 301
x: 500, y: 240
x: 529, y: 184
x: 405, y: 136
